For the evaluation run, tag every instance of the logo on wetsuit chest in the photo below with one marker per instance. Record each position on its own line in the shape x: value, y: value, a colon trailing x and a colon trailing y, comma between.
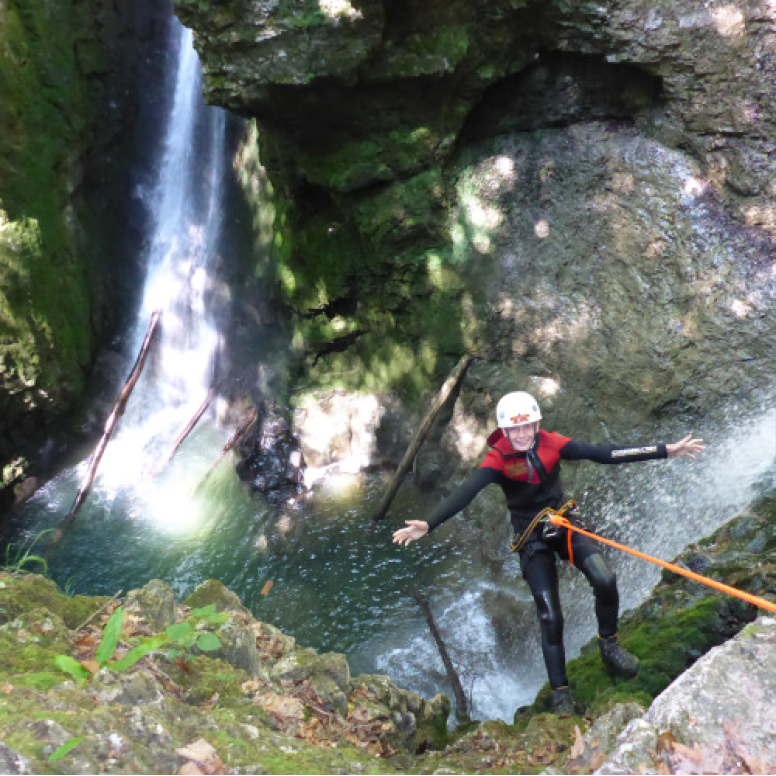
x: 515, y: 469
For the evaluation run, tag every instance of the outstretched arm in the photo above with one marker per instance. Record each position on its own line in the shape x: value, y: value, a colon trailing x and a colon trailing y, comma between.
x: 575, y: 450
x: 452, y: 505
x: 688, y: 447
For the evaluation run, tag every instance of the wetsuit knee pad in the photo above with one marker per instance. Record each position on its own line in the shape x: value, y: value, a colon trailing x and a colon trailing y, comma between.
x: 602, y: 579
x: 550, y: 617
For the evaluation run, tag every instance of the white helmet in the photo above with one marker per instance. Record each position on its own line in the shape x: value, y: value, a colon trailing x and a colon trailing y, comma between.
x: 517, y: 408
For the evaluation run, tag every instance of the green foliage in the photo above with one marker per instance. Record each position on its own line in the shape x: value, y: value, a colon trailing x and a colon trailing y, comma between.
x: 71, y: 666
x: 110, y: 637
x: 178, y: 639
x: 17, y: 557
x: 66, y: 748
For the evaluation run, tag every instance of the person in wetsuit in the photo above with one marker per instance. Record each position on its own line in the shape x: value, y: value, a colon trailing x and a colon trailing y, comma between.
x: 525, y: 462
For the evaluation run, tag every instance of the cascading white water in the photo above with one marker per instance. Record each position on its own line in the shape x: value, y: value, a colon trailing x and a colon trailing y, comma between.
x: 186, y: 215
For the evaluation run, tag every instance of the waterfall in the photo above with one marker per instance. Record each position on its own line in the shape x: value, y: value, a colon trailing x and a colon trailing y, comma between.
x: 186, y: 209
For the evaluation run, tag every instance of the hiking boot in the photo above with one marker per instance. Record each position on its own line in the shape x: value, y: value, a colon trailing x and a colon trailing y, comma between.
x: 617, y: 659
x: 561, y: 701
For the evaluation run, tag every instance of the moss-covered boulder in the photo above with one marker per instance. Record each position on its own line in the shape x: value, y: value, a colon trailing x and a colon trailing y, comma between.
x: 151, y: 702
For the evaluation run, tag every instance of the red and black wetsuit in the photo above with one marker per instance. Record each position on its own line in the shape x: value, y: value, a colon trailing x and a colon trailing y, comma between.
x: 530, y: 482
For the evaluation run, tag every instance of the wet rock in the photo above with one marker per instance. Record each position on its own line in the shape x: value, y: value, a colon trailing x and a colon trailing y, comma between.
x: 154, y: 603
x: 271, y: 459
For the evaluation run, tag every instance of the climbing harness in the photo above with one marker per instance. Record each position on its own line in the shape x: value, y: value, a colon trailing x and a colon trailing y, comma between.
x: 545, y: 516
x: 556, y: 517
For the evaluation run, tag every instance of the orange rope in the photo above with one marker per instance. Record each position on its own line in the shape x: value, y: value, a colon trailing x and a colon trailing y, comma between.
x: 557, y: 519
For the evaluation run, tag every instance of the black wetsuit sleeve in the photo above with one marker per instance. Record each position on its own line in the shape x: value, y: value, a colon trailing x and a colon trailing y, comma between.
x: 582, y: 451
x: 462, y: 496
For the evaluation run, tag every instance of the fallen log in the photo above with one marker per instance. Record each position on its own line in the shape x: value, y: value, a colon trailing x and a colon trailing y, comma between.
x: 461, y: 704
x: 452, y: 382
x: 231, y: 442
x: 110, y: 425
x: 186, y: 430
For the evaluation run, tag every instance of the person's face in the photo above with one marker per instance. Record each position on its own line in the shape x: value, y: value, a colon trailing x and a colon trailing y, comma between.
x: 521, y: 437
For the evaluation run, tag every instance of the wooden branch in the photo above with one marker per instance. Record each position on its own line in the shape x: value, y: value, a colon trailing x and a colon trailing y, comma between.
x: 461, y: 704
x: 233, y: 440
x: 452, y: 382
x: 110, y: 425
x: 186, y: 430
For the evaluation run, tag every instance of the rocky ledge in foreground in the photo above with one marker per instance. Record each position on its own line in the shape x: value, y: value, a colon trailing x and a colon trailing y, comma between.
x: 203, y: 687
x: 200, y: 687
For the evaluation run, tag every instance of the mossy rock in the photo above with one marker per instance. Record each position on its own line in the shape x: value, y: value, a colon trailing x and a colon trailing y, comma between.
x: 214, y: 592
x: 20, y: 593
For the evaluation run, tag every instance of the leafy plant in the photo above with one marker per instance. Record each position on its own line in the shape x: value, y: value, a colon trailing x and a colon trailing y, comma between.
x: 67, y: 747
x: 19, y: 556
x: 179, y: 638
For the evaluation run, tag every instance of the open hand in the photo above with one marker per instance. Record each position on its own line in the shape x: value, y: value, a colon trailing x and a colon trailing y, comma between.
x: 687, y: 447
x: 413, y: 530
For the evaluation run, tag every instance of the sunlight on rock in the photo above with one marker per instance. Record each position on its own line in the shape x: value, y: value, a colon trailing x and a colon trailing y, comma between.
x: 546, y: 387
x: 285, y: 524
x: 729, y: 21
x: 480, y: 215
x: 262, y: 543
x: 339, y: 9
x: 740, y: 309
x: 338, y: 427
x: 695, y: 186
x: 505, y: 167
x: 542, y: 228
x: 482, y: 243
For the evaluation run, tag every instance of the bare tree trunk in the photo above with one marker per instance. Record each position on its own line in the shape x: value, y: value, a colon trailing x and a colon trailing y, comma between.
x: 110, y: 425
x: 186, y: 430
x: 456, y: 376
x: 233, y: 440
x: 462, y: 705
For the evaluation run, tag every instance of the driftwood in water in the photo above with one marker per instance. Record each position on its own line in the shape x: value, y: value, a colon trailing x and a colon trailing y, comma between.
x: 462, y: 705
x: 186, y: 430
x: 233, y: 440
x: 406, y: 462
x: 110, y: 425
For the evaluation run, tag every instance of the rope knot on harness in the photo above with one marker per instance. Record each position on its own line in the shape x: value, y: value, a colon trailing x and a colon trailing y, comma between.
x: 547, y: 515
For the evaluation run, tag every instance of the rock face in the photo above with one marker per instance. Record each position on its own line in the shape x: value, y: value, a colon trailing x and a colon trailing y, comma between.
x: 718, y: 717
x: 70, y: 207
x: 581, y: 193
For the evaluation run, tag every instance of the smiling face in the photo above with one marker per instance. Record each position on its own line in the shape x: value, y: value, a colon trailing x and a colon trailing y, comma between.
x: 522, y: 437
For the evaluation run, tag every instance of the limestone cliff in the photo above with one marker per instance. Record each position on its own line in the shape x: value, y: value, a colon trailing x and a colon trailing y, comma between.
x: 576, y: 191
